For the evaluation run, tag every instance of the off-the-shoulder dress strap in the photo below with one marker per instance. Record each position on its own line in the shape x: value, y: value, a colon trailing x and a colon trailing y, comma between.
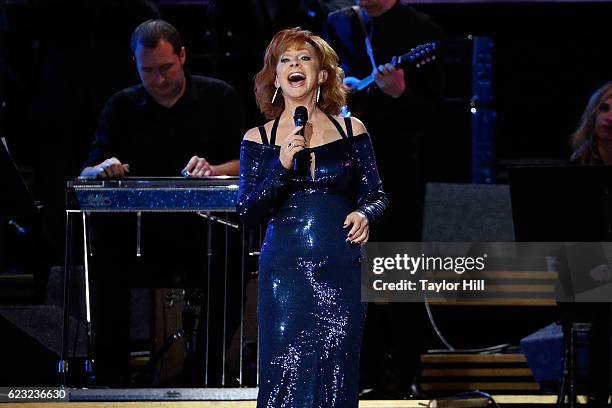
x: 349, y: 127
x: 263, y: 134
x: 337, y: 125
x: 273, y: 132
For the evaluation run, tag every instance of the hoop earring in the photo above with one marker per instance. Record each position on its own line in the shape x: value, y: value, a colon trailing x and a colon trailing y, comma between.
x: 318, y: 93
x: 274, y: 96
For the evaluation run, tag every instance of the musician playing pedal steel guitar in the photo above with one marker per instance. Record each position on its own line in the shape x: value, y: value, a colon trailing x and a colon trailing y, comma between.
x: 398, y: 107
x: 172, y: 124
x: 165, y: 125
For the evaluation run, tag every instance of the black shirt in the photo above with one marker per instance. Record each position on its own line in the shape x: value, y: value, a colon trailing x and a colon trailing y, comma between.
x: 207, y: 121
x: 392, y: 34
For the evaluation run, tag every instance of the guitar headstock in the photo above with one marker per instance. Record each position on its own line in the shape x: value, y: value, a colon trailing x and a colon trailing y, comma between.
x: 418, y: 56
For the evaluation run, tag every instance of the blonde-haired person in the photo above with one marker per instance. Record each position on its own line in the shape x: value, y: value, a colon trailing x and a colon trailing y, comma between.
x: 310, y: 314
x: 592, y: 141
x: 592, y: 145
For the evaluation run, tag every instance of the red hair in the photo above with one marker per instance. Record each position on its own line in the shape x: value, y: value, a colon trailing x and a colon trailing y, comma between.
x: 333, y: 90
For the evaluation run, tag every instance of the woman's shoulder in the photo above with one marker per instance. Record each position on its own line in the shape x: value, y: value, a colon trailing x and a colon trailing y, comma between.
x: 358, y: 126
x: 254, y: 134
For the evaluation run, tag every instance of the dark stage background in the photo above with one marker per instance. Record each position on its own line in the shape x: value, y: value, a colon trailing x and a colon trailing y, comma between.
x: 60, y: 60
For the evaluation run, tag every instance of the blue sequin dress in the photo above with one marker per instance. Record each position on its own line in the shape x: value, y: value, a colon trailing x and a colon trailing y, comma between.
x: 310, y: 314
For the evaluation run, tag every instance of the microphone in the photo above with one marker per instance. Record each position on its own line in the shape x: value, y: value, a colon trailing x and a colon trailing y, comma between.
x: 300, y: 117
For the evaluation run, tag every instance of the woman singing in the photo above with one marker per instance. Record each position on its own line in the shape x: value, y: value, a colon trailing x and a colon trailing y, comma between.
x: 319, y: 194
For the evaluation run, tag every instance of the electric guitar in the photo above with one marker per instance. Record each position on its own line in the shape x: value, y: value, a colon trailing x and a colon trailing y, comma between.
x: 418, y: 56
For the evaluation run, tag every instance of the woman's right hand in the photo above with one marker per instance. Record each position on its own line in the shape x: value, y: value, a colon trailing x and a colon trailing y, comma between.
x: 292, y: 144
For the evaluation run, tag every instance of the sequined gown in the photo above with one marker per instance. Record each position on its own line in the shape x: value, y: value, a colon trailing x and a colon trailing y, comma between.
x: 309, y: 311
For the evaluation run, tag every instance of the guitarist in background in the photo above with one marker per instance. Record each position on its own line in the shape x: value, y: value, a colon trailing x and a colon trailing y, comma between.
x: 398, y: 108
x: 401, y: 102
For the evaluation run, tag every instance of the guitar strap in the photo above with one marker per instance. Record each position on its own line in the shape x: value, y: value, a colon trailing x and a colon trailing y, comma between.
x: 366, y: 35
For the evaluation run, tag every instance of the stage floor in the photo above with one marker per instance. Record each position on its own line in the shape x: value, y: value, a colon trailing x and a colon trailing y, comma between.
x: 520, y: 401
x: 245, y: 398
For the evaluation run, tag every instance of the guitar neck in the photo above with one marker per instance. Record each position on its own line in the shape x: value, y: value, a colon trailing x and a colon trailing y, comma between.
x: 367, y: 81
x: 406, y: 59
x: 415, y: 56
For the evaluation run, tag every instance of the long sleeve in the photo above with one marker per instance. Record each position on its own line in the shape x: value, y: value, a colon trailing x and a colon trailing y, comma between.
x: 262, y: 184
x: 371, y: 199
x: 108, y: 132
x: 232, y: 116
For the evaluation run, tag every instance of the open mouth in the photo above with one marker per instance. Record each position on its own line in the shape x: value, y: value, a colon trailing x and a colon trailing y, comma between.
x: 296, y: 78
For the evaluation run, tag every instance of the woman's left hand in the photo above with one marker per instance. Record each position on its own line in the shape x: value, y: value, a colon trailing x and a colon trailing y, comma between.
x: 360, y: 230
